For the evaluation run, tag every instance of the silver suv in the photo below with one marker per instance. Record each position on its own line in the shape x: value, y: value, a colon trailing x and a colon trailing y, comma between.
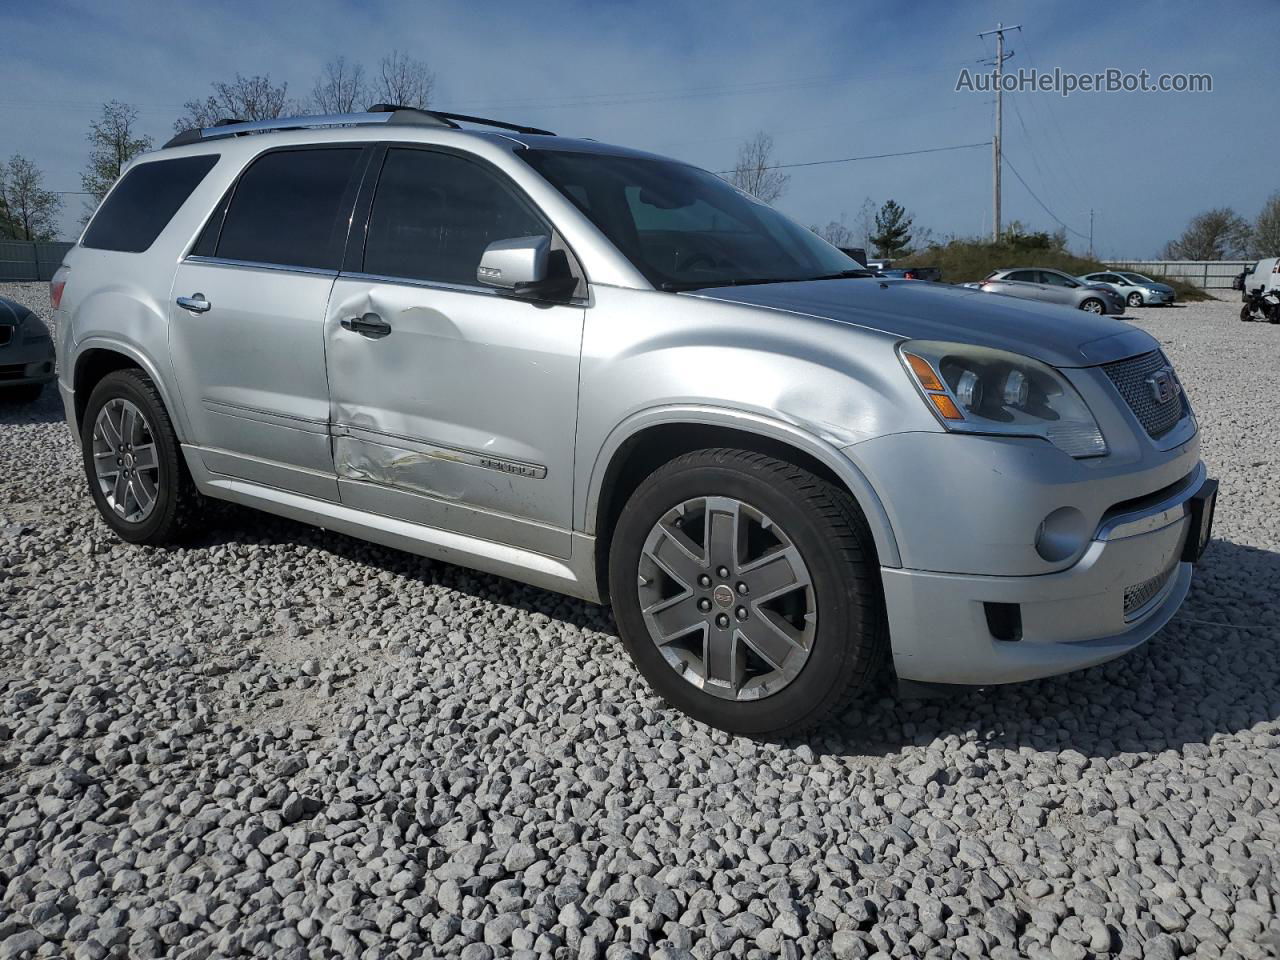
x: 613, y: 375
x: 1054, y: 286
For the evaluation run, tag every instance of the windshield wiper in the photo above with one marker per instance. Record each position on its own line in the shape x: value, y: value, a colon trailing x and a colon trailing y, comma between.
x: 678, y: 285
x: 674, y: 286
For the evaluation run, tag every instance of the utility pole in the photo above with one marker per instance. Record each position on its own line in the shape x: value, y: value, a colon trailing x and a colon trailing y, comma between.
x: 1001, y: 57
x: 1091, y: 233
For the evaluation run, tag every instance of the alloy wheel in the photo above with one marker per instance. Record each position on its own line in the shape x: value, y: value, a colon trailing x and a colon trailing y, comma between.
x: 125, y: 461
x: 727, y: 598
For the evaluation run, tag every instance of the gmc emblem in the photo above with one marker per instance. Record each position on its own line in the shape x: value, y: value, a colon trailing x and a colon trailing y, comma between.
x: 1163, y: 385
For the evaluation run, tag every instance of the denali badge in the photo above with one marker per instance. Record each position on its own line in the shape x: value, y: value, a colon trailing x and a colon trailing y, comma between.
x: 1163, y: 385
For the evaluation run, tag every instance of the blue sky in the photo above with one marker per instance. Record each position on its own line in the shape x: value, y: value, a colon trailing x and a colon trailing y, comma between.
x: 827, y: 80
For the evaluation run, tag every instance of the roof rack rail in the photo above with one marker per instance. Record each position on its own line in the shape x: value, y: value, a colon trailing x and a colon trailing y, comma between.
x: 454, y: 118
x: 388, y: 113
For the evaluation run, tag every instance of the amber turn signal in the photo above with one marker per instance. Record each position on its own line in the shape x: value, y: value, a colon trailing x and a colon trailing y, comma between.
x: 924, y: 373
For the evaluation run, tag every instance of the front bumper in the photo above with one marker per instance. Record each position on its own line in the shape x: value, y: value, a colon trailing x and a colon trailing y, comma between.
x: 1128, y: 584
x: 26, y: 362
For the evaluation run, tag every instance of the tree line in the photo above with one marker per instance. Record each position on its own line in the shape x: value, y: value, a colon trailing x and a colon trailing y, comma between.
x: 1222, y: 234
x: 30, y: 211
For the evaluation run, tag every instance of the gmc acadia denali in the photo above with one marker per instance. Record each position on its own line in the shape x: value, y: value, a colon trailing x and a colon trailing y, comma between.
x: 613, y: 375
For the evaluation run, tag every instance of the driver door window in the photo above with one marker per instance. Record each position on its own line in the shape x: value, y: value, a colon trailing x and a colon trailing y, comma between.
x: 435, y: 213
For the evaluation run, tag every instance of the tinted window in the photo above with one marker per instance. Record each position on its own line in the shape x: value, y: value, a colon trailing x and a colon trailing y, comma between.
x: 144, y: 202
x: 683, y: 227
x: 1056, y: 279
x: 1028, y: 276
x: 291, y: 207
x: 434, y: 214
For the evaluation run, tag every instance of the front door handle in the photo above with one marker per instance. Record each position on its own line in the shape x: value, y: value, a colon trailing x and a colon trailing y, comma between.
x: 370, y: 325
x: 196, y: 303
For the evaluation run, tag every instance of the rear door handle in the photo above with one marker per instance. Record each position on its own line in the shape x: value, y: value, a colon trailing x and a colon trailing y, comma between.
x: 370, y: 325
x: 196, y: 303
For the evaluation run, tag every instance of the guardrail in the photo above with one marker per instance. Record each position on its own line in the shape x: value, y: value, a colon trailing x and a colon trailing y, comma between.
x: 31, y: 259
x: 1205, y: 274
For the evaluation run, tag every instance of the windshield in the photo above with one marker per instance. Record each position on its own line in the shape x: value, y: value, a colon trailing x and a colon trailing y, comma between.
x: 1137, y: 278
x: 683, y: 227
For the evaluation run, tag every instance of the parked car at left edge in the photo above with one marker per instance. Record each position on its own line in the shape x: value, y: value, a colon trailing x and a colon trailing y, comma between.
x: 26, y: 353
x: 1137, y: 290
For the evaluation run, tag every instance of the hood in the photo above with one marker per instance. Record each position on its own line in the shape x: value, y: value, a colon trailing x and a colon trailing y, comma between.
x: 916, y: 310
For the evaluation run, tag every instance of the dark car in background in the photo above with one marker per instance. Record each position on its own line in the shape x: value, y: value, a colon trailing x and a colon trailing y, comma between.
x: 26, y: 353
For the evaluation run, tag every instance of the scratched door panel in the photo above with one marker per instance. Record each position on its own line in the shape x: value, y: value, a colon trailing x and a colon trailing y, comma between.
x: 469, y: 404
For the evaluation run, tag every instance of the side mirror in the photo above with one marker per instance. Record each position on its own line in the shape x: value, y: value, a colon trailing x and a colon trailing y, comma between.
x: 527, y: 267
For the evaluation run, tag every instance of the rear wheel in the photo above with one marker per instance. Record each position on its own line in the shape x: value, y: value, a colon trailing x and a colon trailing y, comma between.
x: 1135, y: 299
x: 133, y: 461
x: 747, y: 591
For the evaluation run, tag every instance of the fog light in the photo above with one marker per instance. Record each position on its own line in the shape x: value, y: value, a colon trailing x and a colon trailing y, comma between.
x: 1062, y: 534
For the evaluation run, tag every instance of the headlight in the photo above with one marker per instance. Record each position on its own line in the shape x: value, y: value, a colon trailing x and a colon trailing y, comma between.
x: 33, y: 329
x: 978, y: 390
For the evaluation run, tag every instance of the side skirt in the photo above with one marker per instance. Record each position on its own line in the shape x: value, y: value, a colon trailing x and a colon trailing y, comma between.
x: 574, y: 577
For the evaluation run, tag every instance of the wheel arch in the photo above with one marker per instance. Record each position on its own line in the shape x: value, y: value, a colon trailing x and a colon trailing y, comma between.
x: 646, y: 441
x: 98, y: 356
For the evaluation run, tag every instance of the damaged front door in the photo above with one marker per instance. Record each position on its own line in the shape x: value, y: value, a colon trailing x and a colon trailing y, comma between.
x: 451, y: 404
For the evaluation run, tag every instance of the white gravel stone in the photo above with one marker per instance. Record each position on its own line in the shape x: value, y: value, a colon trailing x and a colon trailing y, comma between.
x: 280, y: 742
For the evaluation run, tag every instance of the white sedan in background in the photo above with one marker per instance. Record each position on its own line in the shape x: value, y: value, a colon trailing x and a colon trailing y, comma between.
x: 1137, y: 290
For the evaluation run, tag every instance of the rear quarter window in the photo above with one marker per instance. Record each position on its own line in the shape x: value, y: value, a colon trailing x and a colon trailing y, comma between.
x: 143, y: 203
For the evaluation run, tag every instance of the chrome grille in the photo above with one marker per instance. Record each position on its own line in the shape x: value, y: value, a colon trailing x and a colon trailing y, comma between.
x: 1140, y: 594
x: 1131, y: 379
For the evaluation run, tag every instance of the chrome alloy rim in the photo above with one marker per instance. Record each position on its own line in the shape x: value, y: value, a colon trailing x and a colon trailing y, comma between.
x: 727, y: 598
x: 1093, y: 306
x: 125, y: 460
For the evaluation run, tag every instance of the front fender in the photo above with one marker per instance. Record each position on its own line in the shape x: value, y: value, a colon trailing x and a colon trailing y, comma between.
x: 763, y: 426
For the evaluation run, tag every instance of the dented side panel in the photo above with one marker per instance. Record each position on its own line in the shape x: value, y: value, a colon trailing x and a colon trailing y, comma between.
x: 469, y: 403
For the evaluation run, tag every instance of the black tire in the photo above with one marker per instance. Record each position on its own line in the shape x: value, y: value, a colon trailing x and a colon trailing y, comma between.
x: 27, y: 393
x: 1135, y: 299
x: 177, y: 502
x: 1246, y: 314
x: 828, y: 529
x: 1085, y: 305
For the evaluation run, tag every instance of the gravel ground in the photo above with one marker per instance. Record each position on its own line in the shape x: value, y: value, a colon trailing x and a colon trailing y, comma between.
x: 283, y: 742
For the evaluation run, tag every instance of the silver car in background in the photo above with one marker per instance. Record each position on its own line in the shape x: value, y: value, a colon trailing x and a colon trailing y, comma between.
x: 1137, y: 290
x: 612, y: 375
x: 1054, y: 286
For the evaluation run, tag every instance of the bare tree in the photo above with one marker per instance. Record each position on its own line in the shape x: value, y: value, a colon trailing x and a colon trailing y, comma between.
x: 244, y: 98
x: 1266, y: 231
x: 30, y: 209
x: 836, y: 233
x: 404, y: 81
x: 1217, y: 234
x: 865, y: 224
x: 756, y: 172
x: 115, y: 141
x: 340, y: 88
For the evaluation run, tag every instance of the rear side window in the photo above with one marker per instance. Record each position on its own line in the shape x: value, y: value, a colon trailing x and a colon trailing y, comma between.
x: 143, y: 203
x: 291, y: 207
x: 1027, y: 276
x: 434, y: 214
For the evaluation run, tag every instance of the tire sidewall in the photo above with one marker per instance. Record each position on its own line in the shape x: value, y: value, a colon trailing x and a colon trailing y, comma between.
x: 129, y: 386
x: 840, y: 626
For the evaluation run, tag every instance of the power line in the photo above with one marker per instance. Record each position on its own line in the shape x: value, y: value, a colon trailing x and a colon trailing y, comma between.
x: 870, y: 156
x: 1082, y: 236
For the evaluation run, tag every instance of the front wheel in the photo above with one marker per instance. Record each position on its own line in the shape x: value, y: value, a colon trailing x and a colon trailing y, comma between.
x: 133, y: 461
x: 1135, y: 299
x: 1093, y: 305
x: 747, y: 591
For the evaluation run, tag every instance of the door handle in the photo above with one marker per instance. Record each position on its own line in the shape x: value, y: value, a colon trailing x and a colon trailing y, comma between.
x: 196, y: 303
x: 370, y: 325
